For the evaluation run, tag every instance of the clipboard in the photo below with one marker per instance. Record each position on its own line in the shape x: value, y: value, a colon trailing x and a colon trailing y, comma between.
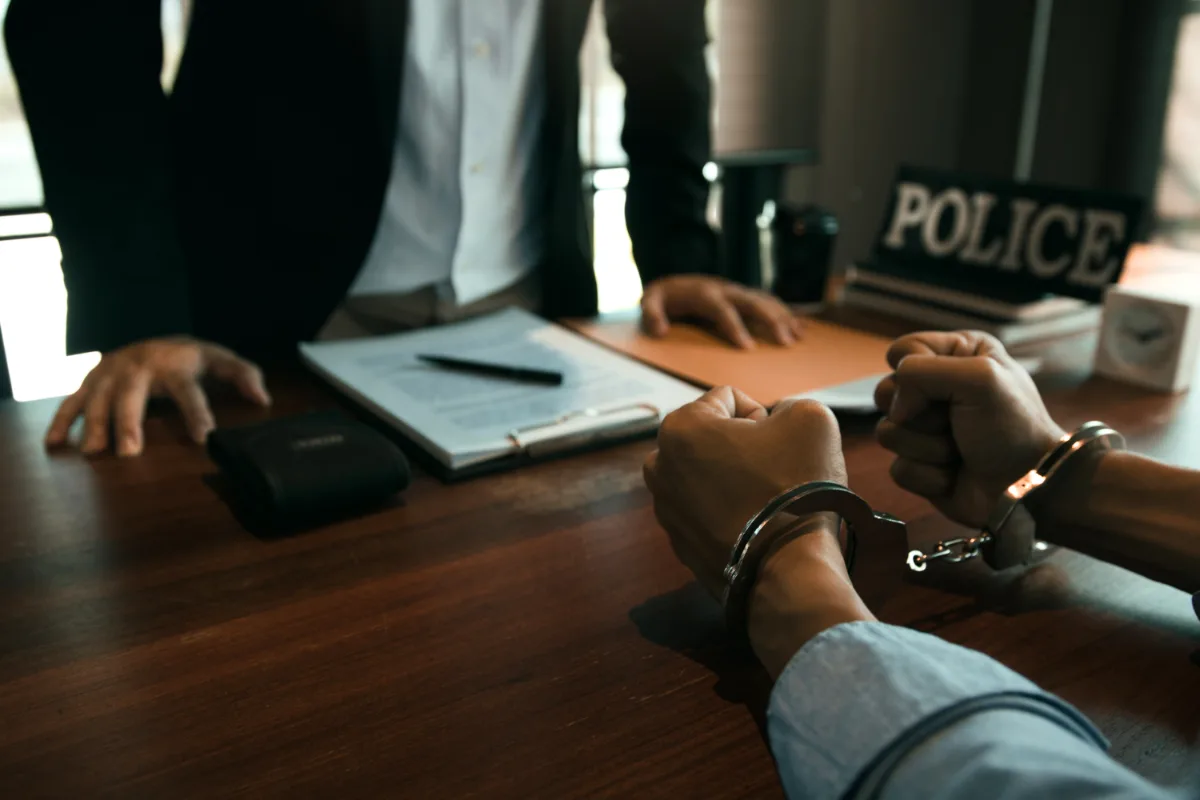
x: 458, y: 425
x: 531, y: 449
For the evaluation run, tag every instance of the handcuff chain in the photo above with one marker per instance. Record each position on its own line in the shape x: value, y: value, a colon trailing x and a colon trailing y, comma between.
x: 952, y: 551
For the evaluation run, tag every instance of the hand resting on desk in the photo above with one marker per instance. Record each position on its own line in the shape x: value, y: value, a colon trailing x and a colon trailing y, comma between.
x: 114, y: 394
x: 734, y: 309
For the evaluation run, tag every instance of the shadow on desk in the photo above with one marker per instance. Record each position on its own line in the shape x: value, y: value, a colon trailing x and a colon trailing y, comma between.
x: 688, y: 621
x: 1058, y: 623
x: 1036, y: 603
x: 253, y: 521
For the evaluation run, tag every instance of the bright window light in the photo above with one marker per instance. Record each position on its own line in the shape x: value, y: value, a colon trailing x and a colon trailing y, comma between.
x: 33, y: 316
x: 619, y: 285
x: 617, y: 178
x: 25, y: 225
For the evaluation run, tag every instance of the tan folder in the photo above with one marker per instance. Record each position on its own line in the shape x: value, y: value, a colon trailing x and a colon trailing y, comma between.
x: 828, y: 355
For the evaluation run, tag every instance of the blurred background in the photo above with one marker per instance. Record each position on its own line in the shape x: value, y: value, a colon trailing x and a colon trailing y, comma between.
x: 817, y: 102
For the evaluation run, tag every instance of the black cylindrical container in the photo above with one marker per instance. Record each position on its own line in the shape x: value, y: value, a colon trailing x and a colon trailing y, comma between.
x: 796, y: 248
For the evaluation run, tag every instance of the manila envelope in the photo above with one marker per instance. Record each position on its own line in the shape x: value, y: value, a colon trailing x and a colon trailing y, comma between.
x: 827, y: 356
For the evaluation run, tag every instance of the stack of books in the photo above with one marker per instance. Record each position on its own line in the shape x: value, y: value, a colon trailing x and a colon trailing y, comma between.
x: 1014, y: 317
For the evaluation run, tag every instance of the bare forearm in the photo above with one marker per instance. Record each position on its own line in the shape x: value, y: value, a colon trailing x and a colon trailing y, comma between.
x: 1131, y: 511
x: 802, y: 590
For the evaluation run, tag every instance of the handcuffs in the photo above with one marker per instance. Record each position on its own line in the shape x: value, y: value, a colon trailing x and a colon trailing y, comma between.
x: 1006, y: 539
x: 1010, y: 515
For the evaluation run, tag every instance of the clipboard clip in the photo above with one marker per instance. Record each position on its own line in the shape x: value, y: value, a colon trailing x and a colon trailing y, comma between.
x: 582, y: 428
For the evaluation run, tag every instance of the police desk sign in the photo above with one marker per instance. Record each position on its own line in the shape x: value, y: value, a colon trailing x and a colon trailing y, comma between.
x: 974, y: 233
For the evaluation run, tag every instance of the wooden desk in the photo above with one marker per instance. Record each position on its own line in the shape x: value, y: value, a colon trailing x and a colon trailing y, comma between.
x: 524, y: 635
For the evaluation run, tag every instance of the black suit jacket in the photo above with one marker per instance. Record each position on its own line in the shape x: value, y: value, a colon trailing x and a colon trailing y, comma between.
x: 240, y: 207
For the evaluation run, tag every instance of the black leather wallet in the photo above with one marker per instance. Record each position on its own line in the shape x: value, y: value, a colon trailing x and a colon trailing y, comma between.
x: 295, y: 473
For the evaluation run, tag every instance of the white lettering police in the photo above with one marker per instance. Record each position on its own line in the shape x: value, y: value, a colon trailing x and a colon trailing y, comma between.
x: 953, y: 222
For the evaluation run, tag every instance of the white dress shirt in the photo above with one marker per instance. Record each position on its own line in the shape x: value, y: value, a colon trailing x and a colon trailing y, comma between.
x: 460, y: 211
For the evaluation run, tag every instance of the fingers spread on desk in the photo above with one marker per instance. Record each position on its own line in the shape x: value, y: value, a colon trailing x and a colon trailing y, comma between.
x: 245, y: 375
x: 764, y: 312
x: 732, y: 308
x: 97, y: 415
x: 193, y: 404
x: 717, y: 307
x: 68, y: 411
x: 654, y: 311
x: 129, y: 410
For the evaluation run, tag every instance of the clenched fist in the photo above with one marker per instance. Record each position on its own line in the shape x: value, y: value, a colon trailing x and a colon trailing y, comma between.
x: 964, y: 419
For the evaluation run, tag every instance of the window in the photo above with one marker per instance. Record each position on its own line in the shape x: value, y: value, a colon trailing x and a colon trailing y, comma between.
x: 33, y: 301
x: 20, y: 185
x: 602, y: 114
x: 1177, y: 203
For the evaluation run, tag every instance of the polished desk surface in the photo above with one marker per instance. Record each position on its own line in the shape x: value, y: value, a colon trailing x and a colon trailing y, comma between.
x: 527, y: 634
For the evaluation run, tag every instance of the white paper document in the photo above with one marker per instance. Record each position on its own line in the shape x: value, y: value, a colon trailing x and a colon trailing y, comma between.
x: 858, y: 397
x: 853, y: 397
x: 464, y: 419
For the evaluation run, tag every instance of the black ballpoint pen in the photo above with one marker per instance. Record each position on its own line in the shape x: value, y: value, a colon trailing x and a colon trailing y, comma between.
x: 525, y: 374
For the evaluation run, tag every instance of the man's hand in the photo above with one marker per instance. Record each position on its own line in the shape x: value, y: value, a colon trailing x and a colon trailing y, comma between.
x: 734, y: 309
x: 721, y: 458
x: 964, y: 419
x: 116, y: 391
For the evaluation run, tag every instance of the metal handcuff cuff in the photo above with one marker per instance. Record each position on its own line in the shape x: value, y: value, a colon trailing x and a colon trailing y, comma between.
x: 1010, y: 516
x: 808, y: 498
x: 999, y: 551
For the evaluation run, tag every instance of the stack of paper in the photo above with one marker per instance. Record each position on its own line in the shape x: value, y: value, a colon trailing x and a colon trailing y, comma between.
x: 465, y: 419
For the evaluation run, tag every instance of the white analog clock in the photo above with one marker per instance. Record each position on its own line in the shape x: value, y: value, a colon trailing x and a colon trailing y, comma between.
x: 1143, y: 335
x: 1149, y: 337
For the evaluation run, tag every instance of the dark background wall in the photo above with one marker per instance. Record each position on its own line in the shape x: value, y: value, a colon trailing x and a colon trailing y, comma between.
x: 941, y: 83
x: 772, y: 54
x: 894, y: 86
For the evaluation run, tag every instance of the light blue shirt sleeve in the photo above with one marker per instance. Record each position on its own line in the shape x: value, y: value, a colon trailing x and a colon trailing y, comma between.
x: 868, y: 710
